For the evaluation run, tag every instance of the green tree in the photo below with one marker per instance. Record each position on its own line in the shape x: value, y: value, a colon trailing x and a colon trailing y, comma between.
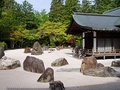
x: 8, y: 5
x: 101, y: 6
x: 71, y: 6
x: 1, y: 6
x: 17, y: 18
x: 29, y: 36
x: 28, y: 15
x: 55, y: 32
x: 117, y: 3
x: 6, y: 22
x: 41, y: 17
x: 86, y: 6
x: 56, y: 11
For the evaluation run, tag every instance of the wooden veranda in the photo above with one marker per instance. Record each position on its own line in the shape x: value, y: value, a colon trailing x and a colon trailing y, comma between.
x: 114, y: 54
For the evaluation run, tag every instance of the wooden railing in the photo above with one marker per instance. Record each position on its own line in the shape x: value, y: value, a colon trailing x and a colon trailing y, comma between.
x: 114, y: 53
x: 91, y: 51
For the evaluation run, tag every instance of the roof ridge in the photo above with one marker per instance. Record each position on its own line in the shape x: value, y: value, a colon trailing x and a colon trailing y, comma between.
x: 111, y: 10
x: 95, y: 14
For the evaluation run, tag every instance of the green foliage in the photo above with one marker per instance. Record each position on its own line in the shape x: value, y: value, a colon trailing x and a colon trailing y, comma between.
x: 18, y: 23
x: 56, y: 11
x: 101, y: 6
x: 62, y: 10
x: 52, y: 44
x: 4, y: 45
x: 86, y: 6
x: 42, y: 17
x: 30, y: 34
x: 5, y: 26
x: 1, y: 6
x: 117, y: 3
x: 78, y: 40
x: 28, y: 16
x: 55, y: 32
x: 21, y: 25
x: 72, y: 6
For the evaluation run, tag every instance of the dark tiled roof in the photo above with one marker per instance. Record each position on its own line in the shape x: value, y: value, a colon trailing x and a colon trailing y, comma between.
x: 108, y: 21
x: 97, y: 21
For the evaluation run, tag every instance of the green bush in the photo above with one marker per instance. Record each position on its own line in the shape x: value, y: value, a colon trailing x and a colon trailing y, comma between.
x: 52, y: 44
x: 4, y: 45
x: 78, y: 42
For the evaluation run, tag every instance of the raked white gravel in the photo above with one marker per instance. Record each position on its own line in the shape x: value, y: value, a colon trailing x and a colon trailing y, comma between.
x: 18, y: 79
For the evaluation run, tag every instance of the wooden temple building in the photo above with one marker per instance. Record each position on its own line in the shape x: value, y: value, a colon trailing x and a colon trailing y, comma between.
x: 100, y: 32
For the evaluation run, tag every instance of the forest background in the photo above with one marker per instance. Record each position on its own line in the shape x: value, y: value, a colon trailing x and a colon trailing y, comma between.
x: 21, y: 25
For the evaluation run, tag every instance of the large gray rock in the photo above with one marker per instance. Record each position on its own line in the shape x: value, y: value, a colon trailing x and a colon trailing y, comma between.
x: 59, y: 62
x: 102, y: 72
x: 47, y: 76
x: 33, y: 64
x: 37, y: 49
x: 7, y: 63
x: 87, y: 63
x: 1, y: 52
x: 90, y: 67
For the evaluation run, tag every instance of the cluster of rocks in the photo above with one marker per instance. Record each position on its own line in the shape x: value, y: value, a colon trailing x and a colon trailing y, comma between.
x: 48, y: 76
x: 36, y: 50
x: 90, y: 67
x: 78, y: 52
x: 36, y: 65
x: 7, y: 63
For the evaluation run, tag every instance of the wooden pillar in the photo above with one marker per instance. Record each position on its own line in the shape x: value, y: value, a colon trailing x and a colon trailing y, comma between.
x: 94, y: 42
x: 83, y: 40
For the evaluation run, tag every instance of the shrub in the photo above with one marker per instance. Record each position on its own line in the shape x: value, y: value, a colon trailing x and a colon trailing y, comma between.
x: 52, y: 45
x: 4, y: 45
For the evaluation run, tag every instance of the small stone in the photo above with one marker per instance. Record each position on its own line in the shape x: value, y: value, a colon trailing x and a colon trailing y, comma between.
x: 56, y: 85
x: 27, y: 50
x: 115, y: 63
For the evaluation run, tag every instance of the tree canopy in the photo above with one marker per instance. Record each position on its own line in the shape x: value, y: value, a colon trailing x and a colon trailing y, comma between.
x: 1, y: 6
x: 21, y: 25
